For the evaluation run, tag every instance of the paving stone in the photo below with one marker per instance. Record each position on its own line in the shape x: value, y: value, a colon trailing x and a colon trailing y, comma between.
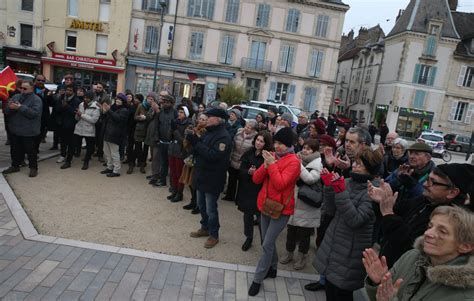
x: 14, y: 232
x: 4, y: 240
x: 97, y: 262
x: 170, y: 292
x: 37, y: 293
x: 241, y: 286
x: 80, y: 263
x: 216, y: 277
x: 126, y: 286
x: 153, y: 295
x: 229, y: 282
x: 40, y: 257
x: 186, y: 291
x: 12, y: 281
x: 296, y: 298
x: 4, y: 263
x: 70, y: 258
x: 294, y: 286
x: 269, y: 285
x: 112, y: 262
x: 141, y: 290
x: 150, y: 270
x: 36, y: 276
x: 14, y: 240
x: 13, y: 267
x: 61, y: 253
x: 310, y: 296
x: 138, y: 265
x: 214, y: 292
x: 82, y: 281
x: 106, y: 291
x: 271, y: 296
x: 198, y: 298
x: 35, y: 249
x: 120, y: 269
x: 96, y: 285
x: 4, y: 250
x: 53, y: 277
x: 201, y: 281
x: 58, y: 288
x: 191, y: 272
x: 9, y: 225
x: 160, y: 275
x: 15, y: 296
x: 18, y: 250
x: 280, y: 286
x: 70, y: 296
x: 176, y: 274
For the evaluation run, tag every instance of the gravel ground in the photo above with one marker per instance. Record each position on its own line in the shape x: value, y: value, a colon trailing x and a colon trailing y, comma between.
x: 127, y: 212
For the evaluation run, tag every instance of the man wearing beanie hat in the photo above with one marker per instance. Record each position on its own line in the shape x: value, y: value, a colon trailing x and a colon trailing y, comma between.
x: 406, y: 219
x: 287, y: 120
x: 408, y: 179
x: 234, y: 123
x: 212, y: 157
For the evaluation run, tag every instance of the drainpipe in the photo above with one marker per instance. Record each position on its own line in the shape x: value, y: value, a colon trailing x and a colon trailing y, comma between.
x: 174, y: 28
x: 377, y: 82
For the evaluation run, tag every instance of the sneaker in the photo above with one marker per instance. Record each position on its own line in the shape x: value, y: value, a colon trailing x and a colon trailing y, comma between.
x: 287, y: 258
x: 33, y: 172
x: 66, y: 165
x: 300, y: 263
x: 60, y: 159
x: 254, y: 289
x: 211, y: 242
x: 11, y: 169
x: 113, y: 175
x: 106, y: 171
x: 199, y: 233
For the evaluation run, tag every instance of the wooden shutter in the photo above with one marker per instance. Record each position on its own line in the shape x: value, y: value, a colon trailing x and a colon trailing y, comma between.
x: 462, y: 75
x: 416, y: 75
x: 319, y: 64
x: 223, y: 50
x: 291, y: 94
x: 232, y: 12
x: 210, y: 9
x: 191, y: 7
x: 230, y: 50
x: 432, y: 76
x: 283, y: 57
x: 470, y: 112
x: 272, y: 92
x: 290, y: 60
x: 313, y: 60
x: 452, y: 113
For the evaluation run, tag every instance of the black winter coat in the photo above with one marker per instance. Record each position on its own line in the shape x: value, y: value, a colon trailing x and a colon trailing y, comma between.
x: 212, y: 158
x: 247, y: 191
x: 390, y: 163
x: 66, y: 114
x: 115, y: 124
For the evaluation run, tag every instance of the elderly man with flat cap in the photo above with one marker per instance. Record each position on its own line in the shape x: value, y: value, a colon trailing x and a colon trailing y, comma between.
x: 212, y: 157
x: 406, y: 219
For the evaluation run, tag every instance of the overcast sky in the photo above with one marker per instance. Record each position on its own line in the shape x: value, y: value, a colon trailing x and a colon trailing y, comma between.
x: 369, y: 13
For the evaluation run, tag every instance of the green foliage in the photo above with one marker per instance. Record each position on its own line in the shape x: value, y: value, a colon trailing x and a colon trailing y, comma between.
x: 233, y: 94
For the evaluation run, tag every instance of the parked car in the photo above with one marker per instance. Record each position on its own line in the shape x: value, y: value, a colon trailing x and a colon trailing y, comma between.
x: 282, y: 108
x: 341, y: 120
x: 48, y: 84
x: 457, y: 142
x: 436, y: 141
x: 249, y: 112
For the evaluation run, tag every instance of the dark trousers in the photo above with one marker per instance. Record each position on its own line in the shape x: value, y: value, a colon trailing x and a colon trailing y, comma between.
x: 138, y: 153
x: 301, y: 235
x: 333, y: 293
x: 90, y: 145
x: 163, y: 153
x: 5, y: 121
x: 176, y: 167
x: 19, y: 146
x: 248, y: 224
x: 99, y: 139
x: 68, y: 144
x: 232, y: 183
x: 56, y: 139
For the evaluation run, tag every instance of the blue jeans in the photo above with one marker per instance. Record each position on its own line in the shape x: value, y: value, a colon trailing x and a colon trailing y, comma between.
x: 207, y: 203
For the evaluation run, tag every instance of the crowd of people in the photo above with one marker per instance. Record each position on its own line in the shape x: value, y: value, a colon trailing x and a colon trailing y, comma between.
x: 384, y: 217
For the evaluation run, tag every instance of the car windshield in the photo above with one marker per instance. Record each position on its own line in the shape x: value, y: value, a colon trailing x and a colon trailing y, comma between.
x: 296, y: 111
x: 432, y: 138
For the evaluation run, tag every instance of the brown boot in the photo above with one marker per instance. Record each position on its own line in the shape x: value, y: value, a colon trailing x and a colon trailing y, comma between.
x: 211, y: 242
x: 199, y: 233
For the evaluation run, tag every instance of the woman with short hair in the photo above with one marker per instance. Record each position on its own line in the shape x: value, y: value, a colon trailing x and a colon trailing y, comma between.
x: 396, y: 157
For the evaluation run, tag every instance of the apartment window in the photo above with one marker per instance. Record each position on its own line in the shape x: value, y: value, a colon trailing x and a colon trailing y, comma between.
x: 358, y: 74
x: 424, y: 75
x: 287, y: 53
x: 465, y: 77
x: 435, y: 29
x: 316, y: 63
x: 72, y: 8
x: 154, y: 6
x: 309, y: 104
x: 101, y: 44
x: 26, y: 35
x: 368, y: 75
x: 227, y: 49
x: 151, y: 39
x: 343, y: 76
x: 419, y: 101
x: 232, y: 12
x: 71, y: 40
x: 430, y: 47
x: 27, y: 5
x: 293, y: 20
x: 322, y: 26
x: 104, y: 10
x: 364, y: 96
x: 201, y: 9
x: 195, y: 49
x: 459, y: 111
x: 263, y: 15
x: 282, y: 92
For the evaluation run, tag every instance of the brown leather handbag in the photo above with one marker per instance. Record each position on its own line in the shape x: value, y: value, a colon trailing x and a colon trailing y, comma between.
x: 273, y: 208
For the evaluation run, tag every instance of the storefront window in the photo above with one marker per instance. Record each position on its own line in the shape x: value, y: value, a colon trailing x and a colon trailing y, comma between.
x: 412, y: 122
x: 87, y: 78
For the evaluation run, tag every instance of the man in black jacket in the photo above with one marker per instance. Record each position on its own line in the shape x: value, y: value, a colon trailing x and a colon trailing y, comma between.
x: 212, y: 155
x: 405, y: 220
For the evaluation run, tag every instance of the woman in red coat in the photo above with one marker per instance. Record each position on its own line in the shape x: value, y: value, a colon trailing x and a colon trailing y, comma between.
x: 278, y: 174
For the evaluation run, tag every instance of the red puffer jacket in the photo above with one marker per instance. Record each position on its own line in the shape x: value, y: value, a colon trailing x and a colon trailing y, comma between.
x: 279, y: 181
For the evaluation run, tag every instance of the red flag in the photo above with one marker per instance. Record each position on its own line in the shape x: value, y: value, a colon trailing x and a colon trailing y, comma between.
x: 7, y: 82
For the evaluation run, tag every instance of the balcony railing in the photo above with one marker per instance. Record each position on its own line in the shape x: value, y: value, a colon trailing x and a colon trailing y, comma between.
x: 256, y: 65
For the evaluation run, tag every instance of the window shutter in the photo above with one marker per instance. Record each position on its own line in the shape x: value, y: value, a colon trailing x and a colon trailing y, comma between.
x: 462, y: 75
x: 313, y: 99
x: 224, y: 45
x: 145, y: 4
x: 291, y: 94
x: 307, y: 99
x: 419, y: 101
x: 210, y: 9
x: 314, y: 61
x: 289, y: 20
x: 266, y: 15
x: 154, y: 40
x: 230, y: 50
x: 325, y: 26
x: 470, y: 112
x: 283, y: 57
x: 149, y: 38
x: 290, y: 60
x: 272, y: 93
x: 191, y: 6
x: 433, y: 76
x: 431, y: 45
x: 232, y: 11
x: 319, y: 64
x: 416, y: 75
x: 200, y: 42
x: 452, y: 113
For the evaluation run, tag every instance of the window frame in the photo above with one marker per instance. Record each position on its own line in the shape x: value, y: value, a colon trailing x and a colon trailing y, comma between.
x: 23, y: 8
x: 287, y: 60
x: 67, y: 35
x: 232, y: 16
x: 322, y: 26
x: 22, y: 27
x: 97, y: 42
x: 293, y: 16
x: 228, y: 59
x: 263, y: 13
x: 196, y: 56
x: 69, y: 8
x: 284, y: 89
x: 209, y: 13
x: 461, y: 111
x: 152, y: 47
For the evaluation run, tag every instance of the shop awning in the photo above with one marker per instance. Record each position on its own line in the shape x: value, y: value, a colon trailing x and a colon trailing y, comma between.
x: 81, y: 65
x: 23, y: 60
x: 180, y: 67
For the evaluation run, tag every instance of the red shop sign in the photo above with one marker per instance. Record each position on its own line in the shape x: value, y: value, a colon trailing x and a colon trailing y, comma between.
x: 83, y: 59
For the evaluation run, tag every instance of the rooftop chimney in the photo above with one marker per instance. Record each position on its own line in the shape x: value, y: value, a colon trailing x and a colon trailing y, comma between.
x: 453, y: 4
x: 400, y: 13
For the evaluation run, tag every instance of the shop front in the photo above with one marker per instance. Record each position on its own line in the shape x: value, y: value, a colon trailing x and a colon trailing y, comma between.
x: 411, y: 122
x: 23, y: 60
x: 87, y: 71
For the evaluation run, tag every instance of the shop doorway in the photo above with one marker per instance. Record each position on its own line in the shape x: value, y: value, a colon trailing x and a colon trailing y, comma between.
x: 87, y: 78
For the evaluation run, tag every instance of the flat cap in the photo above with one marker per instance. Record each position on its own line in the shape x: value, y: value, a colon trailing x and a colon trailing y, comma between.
x: 420, y: 147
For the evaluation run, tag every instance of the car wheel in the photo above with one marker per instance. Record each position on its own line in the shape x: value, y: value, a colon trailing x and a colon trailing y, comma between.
x: 458, y: 148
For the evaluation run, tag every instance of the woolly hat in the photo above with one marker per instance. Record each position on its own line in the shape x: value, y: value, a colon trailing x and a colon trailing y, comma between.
x: 89, y: 95
x: 320, y: 126
x: 168, y: 98
x: 122, y: 97
x: 462, y: 176
x: 217, y: 112
x: 327, y: 140
x: 236, y: 112
x: 153, y: 95
x: 185, y: 109
x: 421, y: 147
x: 288, y: 117
x: 285, y: 136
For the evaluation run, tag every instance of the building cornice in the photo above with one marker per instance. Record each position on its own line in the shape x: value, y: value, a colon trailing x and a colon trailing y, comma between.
x: 419, y: 35
x: 327, y: 5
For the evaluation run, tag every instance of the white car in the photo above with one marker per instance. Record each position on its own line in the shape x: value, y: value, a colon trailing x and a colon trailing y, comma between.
x: 282, y: 108
x: 249, y: 112
x: 436, y: 141
x: 48, y: 85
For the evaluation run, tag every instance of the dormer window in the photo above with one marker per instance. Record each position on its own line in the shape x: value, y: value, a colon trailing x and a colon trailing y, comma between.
x: 435, y: 29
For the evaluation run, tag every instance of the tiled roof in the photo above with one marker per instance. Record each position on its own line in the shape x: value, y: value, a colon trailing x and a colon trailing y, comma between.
x: 465, y: 27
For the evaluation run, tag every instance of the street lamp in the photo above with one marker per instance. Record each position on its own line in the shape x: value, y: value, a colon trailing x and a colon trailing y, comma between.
x: 163, y: 6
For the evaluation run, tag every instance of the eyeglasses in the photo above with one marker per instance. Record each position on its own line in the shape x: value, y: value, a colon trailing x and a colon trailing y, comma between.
x: 431, y: 182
